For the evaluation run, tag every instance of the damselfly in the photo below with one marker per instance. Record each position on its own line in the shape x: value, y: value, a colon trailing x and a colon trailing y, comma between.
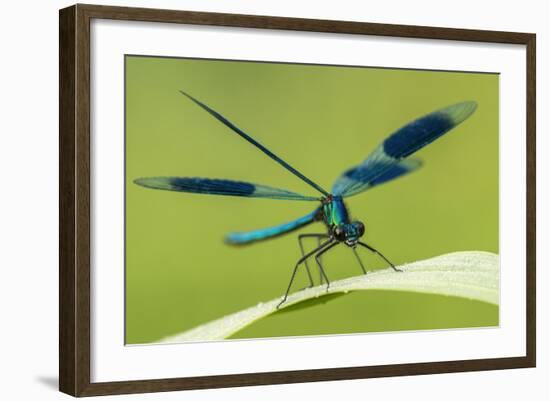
x: 387, y: 162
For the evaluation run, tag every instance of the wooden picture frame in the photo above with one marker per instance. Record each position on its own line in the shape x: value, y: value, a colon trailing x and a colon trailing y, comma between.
x: 75, y: 198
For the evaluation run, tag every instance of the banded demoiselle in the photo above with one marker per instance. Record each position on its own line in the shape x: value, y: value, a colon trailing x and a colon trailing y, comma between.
x: 388, y: 161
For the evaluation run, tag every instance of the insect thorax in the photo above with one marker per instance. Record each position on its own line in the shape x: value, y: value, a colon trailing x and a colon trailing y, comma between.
x: 336, y: 218
x: 335, y: 212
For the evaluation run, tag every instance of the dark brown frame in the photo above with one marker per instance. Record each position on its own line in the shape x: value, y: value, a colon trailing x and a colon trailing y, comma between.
x: 74, y: 199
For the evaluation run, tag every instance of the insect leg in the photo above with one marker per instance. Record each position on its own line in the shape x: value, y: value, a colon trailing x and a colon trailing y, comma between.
x: 320, y: 271
x: 305, y: 262
x: 300, y: 238
x: 300, y: 261
x: 318, y: 260
x: 370, y: 248
x: 359, y: 260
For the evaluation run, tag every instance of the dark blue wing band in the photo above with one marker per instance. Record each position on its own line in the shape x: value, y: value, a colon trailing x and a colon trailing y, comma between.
x: 385, y: 162
x: 425, y: 130
x: 363, y: 177
x: 402, y: 168
x: 220, y: 187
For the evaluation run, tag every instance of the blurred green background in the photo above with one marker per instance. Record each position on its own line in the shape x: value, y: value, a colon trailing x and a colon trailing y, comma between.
x: 322, y: 120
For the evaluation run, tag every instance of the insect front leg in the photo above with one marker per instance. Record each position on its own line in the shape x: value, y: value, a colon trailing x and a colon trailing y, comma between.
x: 370, y: 248
x: 359, y: 260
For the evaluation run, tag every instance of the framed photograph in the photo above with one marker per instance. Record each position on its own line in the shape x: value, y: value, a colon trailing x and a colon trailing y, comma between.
x: 250, y: 200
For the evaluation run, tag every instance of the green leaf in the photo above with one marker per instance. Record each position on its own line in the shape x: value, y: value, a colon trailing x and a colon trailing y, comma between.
x: 473, y: 275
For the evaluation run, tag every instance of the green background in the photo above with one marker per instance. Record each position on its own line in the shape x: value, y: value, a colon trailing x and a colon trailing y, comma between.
x: 322, y: 120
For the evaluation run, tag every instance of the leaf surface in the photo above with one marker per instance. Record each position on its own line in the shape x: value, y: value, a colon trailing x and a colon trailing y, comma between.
x: 472, y: 275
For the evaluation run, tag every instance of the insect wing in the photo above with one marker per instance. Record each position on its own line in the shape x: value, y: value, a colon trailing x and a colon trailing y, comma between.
x: 251, y: 140
x: 399, y: 145
x: 360, y: 178
x: 220, y: 187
